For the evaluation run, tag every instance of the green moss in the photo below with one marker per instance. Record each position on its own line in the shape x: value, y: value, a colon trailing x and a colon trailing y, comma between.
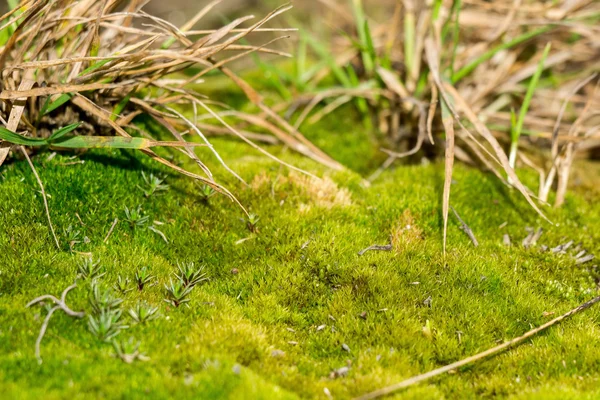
x: 271, y: 290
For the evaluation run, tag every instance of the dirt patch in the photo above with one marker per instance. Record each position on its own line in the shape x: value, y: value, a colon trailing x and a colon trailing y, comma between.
x: 323, y: 192
x: 406, y: 232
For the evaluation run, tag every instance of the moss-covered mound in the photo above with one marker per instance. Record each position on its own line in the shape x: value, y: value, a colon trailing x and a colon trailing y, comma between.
x: 291, y: 309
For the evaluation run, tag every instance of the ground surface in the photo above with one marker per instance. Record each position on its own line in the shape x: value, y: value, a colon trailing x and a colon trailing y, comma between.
x: 288, y: 305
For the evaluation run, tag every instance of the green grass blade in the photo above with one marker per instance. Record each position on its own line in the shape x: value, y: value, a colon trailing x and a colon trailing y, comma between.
x: 370, y: 45
x: 455, y: 33
x: 51, y: 105
x: 467, y: 69
x: 63, y: 131
x: 301, y: 60
x: 325, y: 54
x: 530, y: 91
x: 361, y: 103
x: 363, y: 35
x: 94, y: 142
x: 436, y: 10
x: 518, y: 126
x: 94, y: 67
x: 15, y: 138
x: 118, y: 109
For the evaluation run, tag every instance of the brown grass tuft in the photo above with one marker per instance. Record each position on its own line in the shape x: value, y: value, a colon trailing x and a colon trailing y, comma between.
x: 406, y: 233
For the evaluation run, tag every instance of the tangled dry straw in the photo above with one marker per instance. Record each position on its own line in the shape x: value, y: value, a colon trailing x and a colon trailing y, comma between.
x: 491, y: 50
x: 452, y: 75
x: 446, y: 75
x: 105, y: 63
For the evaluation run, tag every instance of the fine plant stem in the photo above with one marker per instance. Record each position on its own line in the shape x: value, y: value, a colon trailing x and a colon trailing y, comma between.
x: 361, y: 26
x: 110, y: 231
x: 44, y: 197
x: 448, y: 123
x: 518, y: 128
x: 467, y: 69
x: 455, y: 34
x: 58, y: 304
x: 409, y: 39
x: 38, y: 341
x: 493, y: 351
x: 466, y: 228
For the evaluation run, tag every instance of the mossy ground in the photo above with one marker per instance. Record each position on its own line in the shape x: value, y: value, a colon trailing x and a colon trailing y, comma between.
x: 300, y: 271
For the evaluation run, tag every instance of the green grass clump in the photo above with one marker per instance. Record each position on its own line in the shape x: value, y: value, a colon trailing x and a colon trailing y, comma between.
x: 285, y: 303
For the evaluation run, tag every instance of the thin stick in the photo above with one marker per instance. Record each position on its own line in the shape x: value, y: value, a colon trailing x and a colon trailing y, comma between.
x: 110, y: 231
x: 38, y: 342
x: 494, y: 350
x: 377, y: 247
x: 39, y: 181
x: 465, y: 228
x: 58, y: 304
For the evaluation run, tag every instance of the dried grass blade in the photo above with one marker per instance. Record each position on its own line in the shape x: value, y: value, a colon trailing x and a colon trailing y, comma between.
x: 448, y: 122
x: 487, y: 135
x: 451, y: 97
x: 51, y: 90
x: 16, y: 113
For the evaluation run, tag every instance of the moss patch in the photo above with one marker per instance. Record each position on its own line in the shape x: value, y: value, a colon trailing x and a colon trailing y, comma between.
x: 281, y: 303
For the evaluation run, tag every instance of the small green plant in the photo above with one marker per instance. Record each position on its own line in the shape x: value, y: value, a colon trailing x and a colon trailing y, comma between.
x: 252, y: 222
x: 106, y: 324
x: 144, y: 278
x: 189, y: 275
x: 72, y: 236
x: 88, y: 269
x: 103, y: 299
x: 128, y: 351
x: 123, y: 285
x: 136, y: 217
x: 143, y: 312
x: 206, y: 192
x: 104, y: 321
x: 177, y: 293
x: 153, y: 185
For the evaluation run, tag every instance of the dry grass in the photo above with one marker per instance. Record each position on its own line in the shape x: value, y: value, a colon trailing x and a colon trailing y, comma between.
x: 108, y: 63
x: 447, y: 77
x: 323, y: 192
x: 406, y: 233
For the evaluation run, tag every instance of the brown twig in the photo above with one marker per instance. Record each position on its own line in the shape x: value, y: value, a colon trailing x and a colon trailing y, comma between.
x: 490, y: 352
x: 44, y: 197
x: 110, y: 231
x: 58, y: 304
x: 465, y: 228
x: 377, y: 247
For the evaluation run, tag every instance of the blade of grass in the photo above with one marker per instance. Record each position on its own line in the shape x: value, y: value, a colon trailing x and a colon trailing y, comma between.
x: 455, y: 34
x: 362, y: 28
x: 88, y: 142
x: 115, y: 142
x: 409, y: 37
x: 448, y: 123
x: 51, y: 105
x: 63, y: 131
x: 325, y: 54
x: 15, y: 138
x: 516, y: 132
x: 467, y: 69
x: 120, y: 106
x: 44, y: 197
